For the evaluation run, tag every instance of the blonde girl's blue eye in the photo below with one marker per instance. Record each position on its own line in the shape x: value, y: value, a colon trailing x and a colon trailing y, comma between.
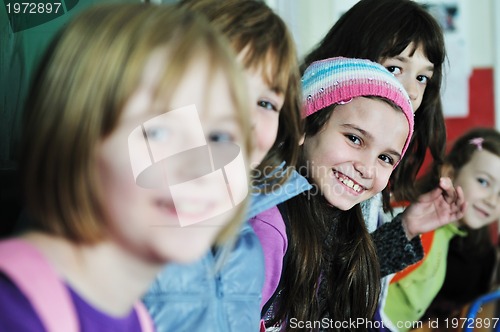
x: 483, y: 182
x: 267, y: 105
x: 158, y: 134
x: 220, y: 137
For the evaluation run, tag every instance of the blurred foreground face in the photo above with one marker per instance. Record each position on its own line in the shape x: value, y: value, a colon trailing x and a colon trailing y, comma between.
x: 480, y: 181
x: 173, y: 174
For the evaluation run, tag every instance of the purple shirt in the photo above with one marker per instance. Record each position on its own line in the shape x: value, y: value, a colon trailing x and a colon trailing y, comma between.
x: 17, y: 314
x: 271, y: 230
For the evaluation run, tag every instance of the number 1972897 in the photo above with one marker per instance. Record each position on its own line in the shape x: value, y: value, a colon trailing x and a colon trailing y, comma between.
x: 471, y: 322
x: 33, y: 8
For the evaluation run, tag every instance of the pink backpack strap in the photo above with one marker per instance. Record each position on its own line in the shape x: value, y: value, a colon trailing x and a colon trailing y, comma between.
x: 144, y: 317
x: 29, y: 270
x: 262, y: 326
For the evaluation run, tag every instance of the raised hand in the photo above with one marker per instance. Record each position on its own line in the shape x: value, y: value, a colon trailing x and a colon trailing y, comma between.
x: 434, y: 209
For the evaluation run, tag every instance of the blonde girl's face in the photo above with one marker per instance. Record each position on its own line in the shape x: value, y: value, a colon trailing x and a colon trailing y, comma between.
x: 162, y: 169
x: 266, y: 107
x: 480, y: 181
x: 352, y: 157
x: 413, y: 71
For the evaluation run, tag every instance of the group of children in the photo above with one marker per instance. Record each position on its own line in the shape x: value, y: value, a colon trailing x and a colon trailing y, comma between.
x: 269, y: 206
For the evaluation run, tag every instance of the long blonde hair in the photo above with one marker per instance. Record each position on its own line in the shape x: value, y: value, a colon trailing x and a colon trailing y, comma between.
x: 78, y: 95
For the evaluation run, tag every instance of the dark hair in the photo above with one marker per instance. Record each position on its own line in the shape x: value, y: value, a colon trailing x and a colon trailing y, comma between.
x: 332, y: 268
x: 376, y: 30
x: 254, y: 30
x: 458, y: 156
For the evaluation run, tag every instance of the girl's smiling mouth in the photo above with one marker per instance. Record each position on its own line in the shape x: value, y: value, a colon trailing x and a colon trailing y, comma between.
x: 186, y: 208
x: 348, y: 182
x: 481, y: 211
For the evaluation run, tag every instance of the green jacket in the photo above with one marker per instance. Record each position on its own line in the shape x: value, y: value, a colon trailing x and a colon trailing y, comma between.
x: 409, y: 297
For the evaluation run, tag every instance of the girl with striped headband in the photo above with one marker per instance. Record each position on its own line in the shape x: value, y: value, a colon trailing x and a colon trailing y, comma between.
x: 411, y: 46
x: 330, y: 268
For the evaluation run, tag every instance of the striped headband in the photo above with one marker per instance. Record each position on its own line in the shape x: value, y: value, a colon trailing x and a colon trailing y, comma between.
x: 339, y: 80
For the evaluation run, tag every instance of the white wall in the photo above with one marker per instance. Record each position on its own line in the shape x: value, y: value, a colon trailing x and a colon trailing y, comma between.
x: 309, y: 20
x: 496, y: 37
x: 479, y: 16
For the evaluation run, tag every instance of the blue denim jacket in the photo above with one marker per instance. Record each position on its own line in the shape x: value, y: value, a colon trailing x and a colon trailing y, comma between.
x: 197, y: 298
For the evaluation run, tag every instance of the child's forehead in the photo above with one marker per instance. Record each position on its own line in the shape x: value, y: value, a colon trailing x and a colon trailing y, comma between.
x: 365, y: 104
x: 153, y: 69
x: 369, y: 111
x: 163, y: 88
x: 484, y: 159
x: 410, y: 47
x: 269, y: 65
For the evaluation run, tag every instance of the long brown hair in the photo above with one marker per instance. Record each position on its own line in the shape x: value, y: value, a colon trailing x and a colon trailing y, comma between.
x: 379, y: 29
x: 331, y: 268
x: 255, y: 31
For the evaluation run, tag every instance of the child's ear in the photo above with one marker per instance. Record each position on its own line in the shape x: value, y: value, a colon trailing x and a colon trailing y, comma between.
x: 447, y: 171
x: 302, y: 139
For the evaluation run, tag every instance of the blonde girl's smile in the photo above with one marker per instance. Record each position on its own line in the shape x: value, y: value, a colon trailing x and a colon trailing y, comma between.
x: 480, y: 182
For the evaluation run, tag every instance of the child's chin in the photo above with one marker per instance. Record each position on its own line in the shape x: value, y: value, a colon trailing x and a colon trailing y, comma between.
x: 341, y: 204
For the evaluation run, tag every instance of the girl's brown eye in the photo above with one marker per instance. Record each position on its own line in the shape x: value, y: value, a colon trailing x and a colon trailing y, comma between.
x: 386, y: 159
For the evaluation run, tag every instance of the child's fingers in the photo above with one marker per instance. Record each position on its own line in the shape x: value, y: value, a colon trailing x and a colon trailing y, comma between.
x: 445, y: 183
x: 460, y: 196
x: 459, y: 211
x: 431, y: 195
x: 463, y: 207
x: 450, y: 193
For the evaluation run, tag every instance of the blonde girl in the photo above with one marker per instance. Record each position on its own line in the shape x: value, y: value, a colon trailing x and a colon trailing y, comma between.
x: 120, y: 85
